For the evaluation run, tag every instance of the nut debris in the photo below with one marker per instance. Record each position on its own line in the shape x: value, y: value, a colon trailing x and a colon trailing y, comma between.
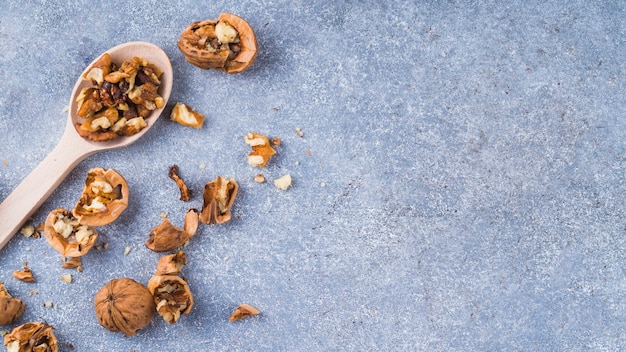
x: 33, y: 336
x: 283, y: 182
x: 73, y: 263
x: 218, y: 198
x: 243, y: 311
x: 299, y: 132
x: 27, y: 231
x: 185, y: 192
x: 186, y: 116
x: 262, y: 151
x: 66, y: 278
x: 259, y: 178
x: 166, y: 237
x: 25, y: 275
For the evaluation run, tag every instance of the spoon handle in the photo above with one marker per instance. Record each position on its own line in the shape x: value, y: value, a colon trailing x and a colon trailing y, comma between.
x: 38, y: 185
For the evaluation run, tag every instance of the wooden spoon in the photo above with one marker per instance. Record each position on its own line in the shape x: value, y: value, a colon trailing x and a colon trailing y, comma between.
x: 72, y: 148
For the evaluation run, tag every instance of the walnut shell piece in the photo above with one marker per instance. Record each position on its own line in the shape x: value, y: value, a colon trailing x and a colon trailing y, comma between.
x: 262, y: 151
x: 66, y: 235
x: 185, y: 192
x: 32, y: 336
x: 218, y: 198
x: 227, y: 44
x: 104, y: 198
x: 166, y: 237
x: 171, y: 264
x: 11, y: 308
x: 243, y: 311
x: 124, y: 305
x: 25, y: 275
x: 171, y: 295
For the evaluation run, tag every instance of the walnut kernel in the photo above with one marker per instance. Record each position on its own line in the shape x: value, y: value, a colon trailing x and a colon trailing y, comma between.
x: 262, y: 151
x: 186, y: 116
x: 171, y: 295
x: 104, y: 198
x: 66, y: 235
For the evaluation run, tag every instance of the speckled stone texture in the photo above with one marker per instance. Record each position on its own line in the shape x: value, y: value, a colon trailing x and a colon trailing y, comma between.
x: 459, y: 186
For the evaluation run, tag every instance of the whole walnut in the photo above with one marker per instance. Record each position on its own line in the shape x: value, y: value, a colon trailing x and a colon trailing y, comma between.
x: 124, y: 305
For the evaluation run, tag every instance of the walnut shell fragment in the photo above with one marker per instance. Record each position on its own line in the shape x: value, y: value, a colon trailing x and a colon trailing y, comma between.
x: 166, y: 237
x: 11, y: 308
x: 185, y: 192
x: 66, y: 235
x: 25, y: 275
x: 262, y: 151
x: 171, y: 264
x: 33, y: 336
x: 243, y: 311
x: 124, y: 305
x: 218, y: 198
x: 104, y: 198
x: 186, y: 116
x: 171, y: 295
x: 227, y: 44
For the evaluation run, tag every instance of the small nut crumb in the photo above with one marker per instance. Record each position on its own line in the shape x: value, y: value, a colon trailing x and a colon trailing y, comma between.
x: 243, y: 311
x: 33, y: 292
x: 105, y: 245
x: 308, y: 152
x: 25, y: 275
x: 67, y: 278
x: 27, y: 230
x: 202, y: 166
x: 73, y: 263
x: 259, y: 178
x: 283, y: 182
x: 299, y: 132
x: 276, y: 141
x: 66, y: 108
x: 127, y: 250
x: 297, y: 163
x: 323, y: 184
x: 163, y: 215
x: 48, y: 304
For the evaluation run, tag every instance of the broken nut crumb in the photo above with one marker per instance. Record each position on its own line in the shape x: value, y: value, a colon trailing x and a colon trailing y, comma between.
x: 262, y: 151
x: 283, y: 182
x: 27, y: 231
x: 25, y: 275
x: 67, y: 278
x: 259, y: 178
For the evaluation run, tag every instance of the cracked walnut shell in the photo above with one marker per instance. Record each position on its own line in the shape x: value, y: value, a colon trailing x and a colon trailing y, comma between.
x: 66, y: 235
x: 124, y: 305
x: 171, y: 264
x: 171, y: 295
x: 218, y: 198
x: 227, y: 44
x: 11, y: 308
x: 104, y: 198
x: 33, y: 336
x: 167, y: 237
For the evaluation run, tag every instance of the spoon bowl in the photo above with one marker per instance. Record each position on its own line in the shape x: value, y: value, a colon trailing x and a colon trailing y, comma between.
x: 72, y: 148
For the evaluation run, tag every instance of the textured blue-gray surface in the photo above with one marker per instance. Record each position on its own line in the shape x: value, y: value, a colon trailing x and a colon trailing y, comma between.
x: 464, y: 190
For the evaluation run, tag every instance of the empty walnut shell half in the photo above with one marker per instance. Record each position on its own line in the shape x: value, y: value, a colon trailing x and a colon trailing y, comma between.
x: 227, y: 44
x: 171, y: 295
x: 124, y: 305
x: 218, y: 197
x: 167, y: 237
x: 171, y: 264
x: 33, y: 336
x: 104, y: 198
x: 67, y: 235
x: 11, y: 308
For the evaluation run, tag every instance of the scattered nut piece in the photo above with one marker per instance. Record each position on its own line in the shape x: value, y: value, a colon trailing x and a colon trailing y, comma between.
x: 276, y: 141
x: 171, y: 295
x: 308, y: 152
x: 67, y: 278
x: 218, y: 198
x: 124, y: 305
x: 167, y: 237
x: 33, y: 336
x: 283, y: 182
x: 299, y: 132
x: 127, y: 250
x: 48, y: 304
x: 171, y: 264
x: 259, y: 178
x: 227, y: 44
x: 186, y: 116
x: 33, y: 292
x: 28, y: 230
x: 11, y: 308
x: 163, y: 215
x: 185, y: 193
x: 262, y: 151
x: 104, y: 198
x: 66, y: 235
x: 243, y: 311
x: 25, y: 275
x: 73, y: 263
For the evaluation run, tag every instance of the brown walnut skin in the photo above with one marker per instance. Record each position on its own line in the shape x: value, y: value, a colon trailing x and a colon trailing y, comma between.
x: 167, y: 237
x: 124, y: 305
x: 114, y: 208
x: 33, y: 336
x: 211, y: 213
x: 66, y: 246
x: 203, y: 58
x: 11, y: 308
